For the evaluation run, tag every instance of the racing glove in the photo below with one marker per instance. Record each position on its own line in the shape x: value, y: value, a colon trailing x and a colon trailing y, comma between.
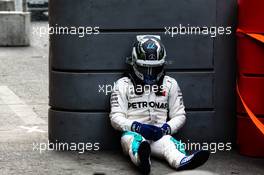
x: 166, y: 129
x: 149, y: 132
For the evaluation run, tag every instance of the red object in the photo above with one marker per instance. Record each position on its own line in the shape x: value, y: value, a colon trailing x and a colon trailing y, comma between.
x: 250, y: 83
x: 249, y: 139
x: 250, y: 55
x: 251, y: 16
x: 252, y: 91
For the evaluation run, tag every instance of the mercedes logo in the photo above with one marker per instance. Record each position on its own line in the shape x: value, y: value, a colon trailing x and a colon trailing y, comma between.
x: 152, y: 57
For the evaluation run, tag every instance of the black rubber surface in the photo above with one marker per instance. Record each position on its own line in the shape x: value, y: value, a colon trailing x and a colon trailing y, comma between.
x: 136, y: 14
x: 108, y: 51
x: 78, y: 91
x: 204, y: 67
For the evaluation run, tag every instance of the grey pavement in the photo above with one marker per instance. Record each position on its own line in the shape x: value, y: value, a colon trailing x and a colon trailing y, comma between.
x: 24, y: 87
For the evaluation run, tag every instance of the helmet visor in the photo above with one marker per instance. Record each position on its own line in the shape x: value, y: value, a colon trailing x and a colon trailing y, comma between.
x: 150, y: 71
x: 149, y: 75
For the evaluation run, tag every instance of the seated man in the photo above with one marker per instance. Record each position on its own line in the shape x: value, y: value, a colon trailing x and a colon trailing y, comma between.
x: 142, y: 101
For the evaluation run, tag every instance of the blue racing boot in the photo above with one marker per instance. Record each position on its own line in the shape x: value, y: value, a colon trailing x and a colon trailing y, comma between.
x: 194, y: 160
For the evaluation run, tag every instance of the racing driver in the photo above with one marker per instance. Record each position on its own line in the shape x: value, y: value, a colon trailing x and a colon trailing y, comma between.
x: 147, y: 107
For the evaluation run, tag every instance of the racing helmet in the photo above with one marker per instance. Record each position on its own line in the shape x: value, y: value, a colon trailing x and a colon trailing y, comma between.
x: 148, y: 59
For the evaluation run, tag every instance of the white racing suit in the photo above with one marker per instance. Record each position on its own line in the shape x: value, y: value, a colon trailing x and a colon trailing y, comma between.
x: 149, y: 108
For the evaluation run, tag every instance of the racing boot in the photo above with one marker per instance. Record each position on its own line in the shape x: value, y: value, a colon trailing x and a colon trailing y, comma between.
x: 144, y: 157
x: 194, y: 160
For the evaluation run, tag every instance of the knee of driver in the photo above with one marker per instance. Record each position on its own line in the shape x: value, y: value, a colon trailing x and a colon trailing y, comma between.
x: 166, y: 137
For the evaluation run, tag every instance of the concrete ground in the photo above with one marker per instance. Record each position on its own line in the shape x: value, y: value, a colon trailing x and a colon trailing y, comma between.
x: 23, y: 124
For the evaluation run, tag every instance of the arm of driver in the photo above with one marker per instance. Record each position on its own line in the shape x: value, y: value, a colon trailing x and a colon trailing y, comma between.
x: 119, y: 105
x: 176, y: 108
